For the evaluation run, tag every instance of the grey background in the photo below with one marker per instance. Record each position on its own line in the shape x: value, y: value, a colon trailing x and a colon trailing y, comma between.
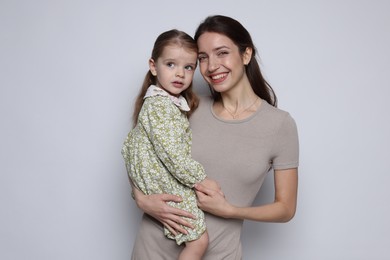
x: 69, y: 71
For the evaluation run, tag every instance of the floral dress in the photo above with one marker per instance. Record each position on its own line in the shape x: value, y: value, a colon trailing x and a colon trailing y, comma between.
x: 157, y: 154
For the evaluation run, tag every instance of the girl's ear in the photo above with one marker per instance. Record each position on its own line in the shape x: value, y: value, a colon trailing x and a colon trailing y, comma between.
x: 247, y: 56
x: 152, y: 67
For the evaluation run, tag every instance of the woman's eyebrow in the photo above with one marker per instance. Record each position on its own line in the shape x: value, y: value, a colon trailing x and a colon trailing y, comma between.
x: 221, y: 47
x: 215, y: 49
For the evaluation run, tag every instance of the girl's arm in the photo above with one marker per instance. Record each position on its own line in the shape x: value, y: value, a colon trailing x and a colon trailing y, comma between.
x: 168, y: 131
x: 281, y: 210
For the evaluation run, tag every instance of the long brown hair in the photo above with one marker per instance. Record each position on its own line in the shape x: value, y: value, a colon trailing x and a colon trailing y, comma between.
x: 168, y: 38
x: 240, y: 36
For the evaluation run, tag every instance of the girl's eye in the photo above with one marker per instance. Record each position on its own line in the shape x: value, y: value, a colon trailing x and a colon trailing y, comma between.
x: 170, y: 64
x: 189, y: 67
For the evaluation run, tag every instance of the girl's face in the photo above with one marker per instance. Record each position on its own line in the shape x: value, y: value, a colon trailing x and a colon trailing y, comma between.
x: 174, y: 69
x: 220, y: 62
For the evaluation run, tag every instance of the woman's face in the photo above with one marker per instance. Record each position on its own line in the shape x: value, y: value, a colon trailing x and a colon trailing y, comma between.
x: 220, y: 62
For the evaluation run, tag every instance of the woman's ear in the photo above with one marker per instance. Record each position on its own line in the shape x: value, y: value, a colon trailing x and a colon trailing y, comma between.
x: 247, y: 56
x: 152, y: 67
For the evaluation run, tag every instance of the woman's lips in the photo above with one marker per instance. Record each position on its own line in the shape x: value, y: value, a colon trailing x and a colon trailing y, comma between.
x: 218, y: 78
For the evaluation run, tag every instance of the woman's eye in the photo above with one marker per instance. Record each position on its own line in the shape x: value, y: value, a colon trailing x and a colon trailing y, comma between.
x: 222, y: 53
x: 202, y: 58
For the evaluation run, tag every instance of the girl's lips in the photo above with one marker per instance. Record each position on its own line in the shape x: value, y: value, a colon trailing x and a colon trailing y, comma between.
x: 177, y: 84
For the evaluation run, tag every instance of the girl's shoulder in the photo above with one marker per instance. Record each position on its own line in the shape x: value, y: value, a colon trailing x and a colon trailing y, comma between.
x: 157, y: 103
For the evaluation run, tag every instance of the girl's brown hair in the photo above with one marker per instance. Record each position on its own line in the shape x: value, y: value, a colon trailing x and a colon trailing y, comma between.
x: 168, y: 38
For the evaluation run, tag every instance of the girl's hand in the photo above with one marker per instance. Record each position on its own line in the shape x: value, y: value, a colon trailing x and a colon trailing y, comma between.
x: 156, y: 206
x: 213, y: 201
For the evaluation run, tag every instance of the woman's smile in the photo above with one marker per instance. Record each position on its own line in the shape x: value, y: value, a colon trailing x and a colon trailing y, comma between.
x: 218, y: 78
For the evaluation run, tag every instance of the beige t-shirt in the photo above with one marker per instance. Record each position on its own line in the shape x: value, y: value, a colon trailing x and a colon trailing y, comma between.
x: 238, y: 155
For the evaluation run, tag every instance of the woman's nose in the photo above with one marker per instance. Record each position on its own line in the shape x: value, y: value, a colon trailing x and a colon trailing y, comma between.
x: 213, y: 65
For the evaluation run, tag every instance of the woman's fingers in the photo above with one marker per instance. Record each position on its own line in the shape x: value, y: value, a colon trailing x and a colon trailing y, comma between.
x: 175, y: 219
x: 176, y: 211
x: 182, y: 213
x: 175, y: 228
x: 173, y: 231
x: 171, y: 217
x: 157, y: 206
x: 175, y: 224
x: 202, y: 188
x: 170, y: 197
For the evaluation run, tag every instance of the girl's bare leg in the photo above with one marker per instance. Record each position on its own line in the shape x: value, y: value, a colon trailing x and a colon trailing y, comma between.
x: 194, y: 250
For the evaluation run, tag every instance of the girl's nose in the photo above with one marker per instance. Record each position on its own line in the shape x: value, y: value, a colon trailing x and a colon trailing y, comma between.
x: 179, y: 73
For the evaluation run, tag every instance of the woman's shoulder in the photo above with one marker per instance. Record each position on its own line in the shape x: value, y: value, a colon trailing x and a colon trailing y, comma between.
x: 275, y: 111
x: 205, y: 102
x: 276, y: 115
x: 203, y: 109
x: 205, y: 99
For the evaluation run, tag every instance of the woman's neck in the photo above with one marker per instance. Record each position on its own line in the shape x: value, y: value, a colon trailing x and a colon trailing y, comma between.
x: 238, y: 98
x: 236, y: 105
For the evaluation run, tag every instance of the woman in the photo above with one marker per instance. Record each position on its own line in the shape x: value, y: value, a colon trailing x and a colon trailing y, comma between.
x: 238, y: 136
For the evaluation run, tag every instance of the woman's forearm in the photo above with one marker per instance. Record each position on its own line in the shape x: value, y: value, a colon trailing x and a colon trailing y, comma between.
x: 281, y: 210
x: 284, y: 206
x: 274, y: 212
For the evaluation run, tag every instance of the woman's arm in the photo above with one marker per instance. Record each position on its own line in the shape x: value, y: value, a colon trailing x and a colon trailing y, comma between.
x: 281, y: 210
x: 156, y: 206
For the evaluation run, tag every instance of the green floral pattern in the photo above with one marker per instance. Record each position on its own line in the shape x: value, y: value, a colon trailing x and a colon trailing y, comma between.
x: 157, y: 154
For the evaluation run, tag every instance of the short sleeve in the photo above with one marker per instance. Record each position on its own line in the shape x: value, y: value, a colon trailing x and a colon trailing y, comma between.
x: 286, y: 149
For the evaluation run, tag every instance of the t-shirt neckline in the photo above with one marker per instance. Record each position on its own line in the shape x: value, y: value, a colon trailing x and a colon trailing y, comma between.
x: 237, y: 121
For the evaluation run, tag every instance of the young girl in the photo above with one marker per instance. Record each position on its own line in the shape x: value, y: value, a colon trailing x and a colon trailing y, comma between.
x: 157, y: 151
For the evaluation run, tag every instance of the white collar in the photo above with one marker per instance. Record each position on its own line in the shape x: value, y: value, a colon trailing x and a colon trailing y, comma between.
x: 180, y: 101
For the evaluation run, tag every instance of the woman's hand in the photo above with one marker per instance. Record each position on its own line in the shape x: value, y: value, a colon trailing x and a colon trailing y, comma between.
x: 213, y: 201
x: 211, y: 184
x: 156, y: 206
